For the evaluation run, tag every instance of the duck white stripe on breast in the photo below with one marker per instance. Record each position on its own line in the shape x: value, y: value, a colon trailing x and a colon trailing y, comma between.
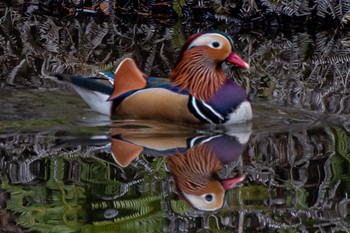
x: 204, y: 111
x: 213, y: 111
x: 194, y: 109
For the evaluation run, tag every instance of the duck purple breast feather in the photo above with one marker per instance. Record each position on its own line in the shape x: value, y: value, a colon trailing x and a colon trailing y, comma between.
x: 198, y: 90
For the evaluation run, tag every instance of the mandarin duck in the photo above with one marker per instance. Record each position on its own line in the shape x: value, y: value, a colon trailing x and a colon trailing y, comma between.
x: 198, y: 90
x: 193, y: 161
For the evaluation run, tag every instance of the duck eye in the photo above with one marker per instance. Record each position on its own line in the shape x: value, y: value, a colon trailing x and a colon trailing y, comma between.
x: 216, y: 44
x: 209, y: 197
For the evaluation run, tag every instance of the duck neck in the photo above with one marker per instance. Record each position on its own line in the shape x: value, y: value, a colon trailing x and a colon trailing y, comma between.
x: 199, y: 74
x: 192, y: 171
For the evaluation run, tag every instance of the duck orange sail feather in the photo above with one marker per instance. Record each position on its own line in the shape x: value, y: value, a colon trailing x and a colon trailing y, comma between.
x: 127, y: 78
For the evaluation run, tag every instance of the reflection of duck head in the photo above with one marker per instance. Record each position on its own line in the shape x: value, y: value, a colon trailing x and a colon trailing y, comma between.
x: 195, y: 176
x: 192, y: 159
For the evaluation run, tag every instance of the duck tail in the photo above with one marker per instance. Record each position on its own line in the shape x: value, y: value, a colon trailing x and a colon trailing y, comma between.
x: 63, y: 77
x: 93, y: 90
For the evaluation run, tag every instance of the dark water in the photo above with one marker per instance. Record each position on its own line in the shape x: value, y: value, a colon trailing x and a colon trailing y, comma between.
x: 65, y: 168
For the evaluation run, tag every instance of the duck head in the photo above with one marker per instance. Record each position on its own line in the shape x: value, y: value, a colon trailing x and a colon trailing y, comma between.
x: 198, y: 68
x: 195, y: 177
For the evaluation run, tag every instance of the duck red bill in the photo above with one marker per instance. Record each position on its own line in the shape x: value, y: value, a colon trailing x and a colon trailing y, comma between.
x: 230, y: 183
x: 235, y: 59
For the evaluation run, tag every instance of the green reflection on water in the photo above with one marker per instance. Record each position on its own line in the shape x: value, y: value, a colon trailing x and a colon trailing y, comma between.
x: 75, y: 193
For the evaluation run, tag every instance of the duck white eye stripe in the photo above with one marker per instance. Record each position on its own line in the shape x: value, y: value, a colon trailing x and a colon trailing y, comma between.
x: 206, y: 39
x: 213, y: 111
x: 194, y: 104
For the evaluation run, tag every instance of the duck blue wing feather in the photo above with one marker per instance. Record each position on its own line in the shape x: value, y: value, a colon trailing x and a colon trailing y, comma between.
x: 153, y: 82
x: 90, y: 83
x: 108, y: 75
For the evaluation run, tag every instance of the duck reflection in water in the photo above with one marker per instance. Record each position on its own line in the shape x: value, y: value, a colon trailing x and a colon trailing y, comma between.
x: 193, y: 162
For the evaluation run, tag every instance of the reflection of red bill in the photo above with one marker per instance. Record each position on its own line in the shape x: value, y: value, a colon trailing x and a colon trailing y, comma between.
x: 230, y: 183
